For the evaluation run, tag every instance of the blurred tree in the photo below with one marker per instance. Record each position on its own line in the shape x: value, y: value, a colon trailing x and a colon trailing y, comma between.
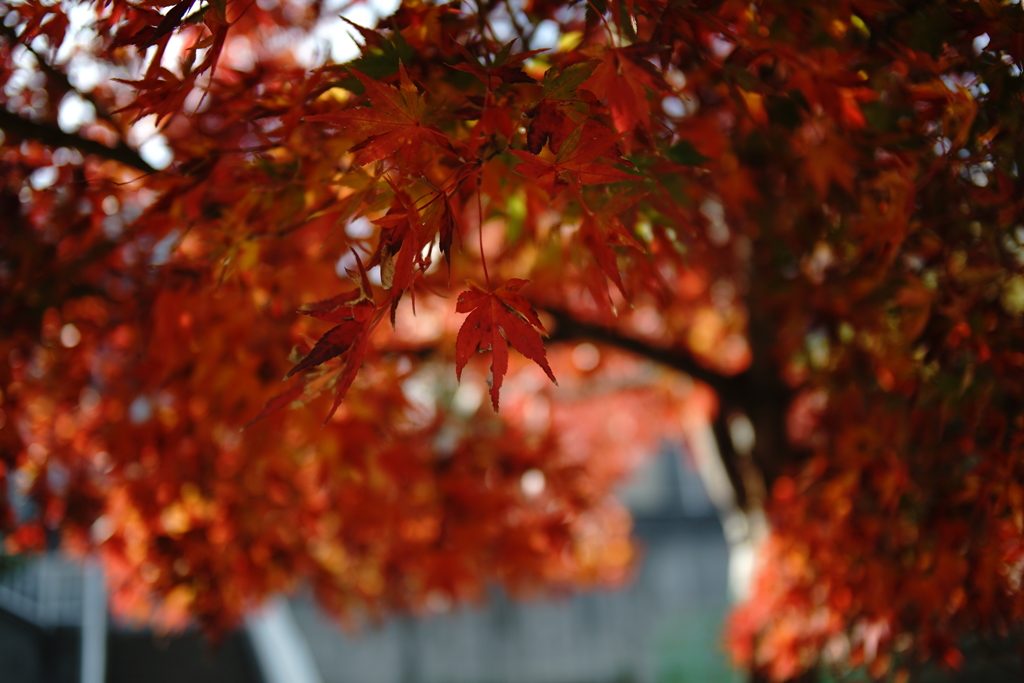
x: 810, y: 209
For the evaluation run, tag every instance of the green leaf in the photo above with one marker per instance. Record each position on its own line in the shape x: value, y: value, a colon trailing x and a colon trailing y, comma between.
x: 503, y: 55
x: 625, y: 21
x: 784, y: 111
x: 515, y: 216
x: 743, y: 78
x: 561, y: 85
x: 378, y: 63
x: 221, y: 6
x: 684, y: 154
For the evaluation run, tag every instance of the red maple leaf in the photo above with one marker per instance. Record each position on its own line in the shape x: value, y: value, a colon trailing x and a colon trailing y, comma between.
x: 496, y: 320
x: 353, y: 310
x: 439, y: 218
x: 578, y: 159
x: 622, y: 84
x: 506, y: 67
x: 394, y: 122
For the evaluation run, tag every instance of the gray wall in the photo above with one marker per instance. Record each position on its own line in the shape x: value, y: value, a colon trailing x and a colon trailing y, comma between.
x: 663, y: 628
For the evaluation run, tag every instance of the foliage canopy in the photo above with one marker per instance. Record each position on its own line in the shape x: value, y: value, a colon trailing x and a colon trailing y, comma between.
x: 811, y: 209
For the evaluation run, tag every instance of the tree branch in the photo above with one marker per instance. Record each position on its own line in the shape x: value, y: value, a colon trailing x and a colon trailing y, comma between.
x: 59, y: 77
x: 568, y: 328
x: 49, y: 134
x: 730, y: 458
x: 759, y: 395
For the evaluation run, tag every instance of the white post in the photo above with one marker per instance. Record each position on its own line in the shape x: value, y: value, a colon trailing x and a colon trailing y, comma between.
x: 744, y: 531
x: 279, y: 646
x: 94, y: 625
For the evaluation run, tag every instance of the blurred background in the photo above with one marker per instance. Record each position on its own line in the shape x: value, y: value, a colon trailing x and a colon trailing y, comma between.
x: 664, y: 627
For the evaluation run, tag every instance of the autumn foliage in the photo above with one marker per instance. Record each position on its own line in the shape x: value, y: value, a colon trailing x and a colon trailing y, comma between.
x: 810, y: 209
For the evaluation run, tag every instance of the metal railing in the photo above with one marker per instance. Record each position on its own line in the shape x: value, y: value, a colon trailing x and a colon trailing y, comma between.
x: 45, y: 590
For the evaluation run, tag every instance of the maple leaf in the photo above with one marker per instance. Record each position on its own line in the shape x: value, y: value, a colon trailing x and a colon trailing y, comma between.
x: 279, y: 401
x: 160, y: 92
x: 623, y: 85
x: 577, y: 160
x: 828, y: 162
x: 396, y: 249
x: 394, y: 122
x: 168, y: 23
x: 550, y: 124
x: 353, y: 310
x: 601, y: 231
x: 505, y: 68
x: 561, y: 84
x: 496, y: 320
x: 332, y: 344
x: 402, y: 239
x: 439, y: 219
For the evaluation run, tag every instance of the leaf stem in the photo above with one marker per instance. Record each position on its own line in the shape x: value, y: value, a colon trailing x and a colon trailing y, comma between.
x: 579, y: 195
x: 607, y: 28
x: 480, y: 232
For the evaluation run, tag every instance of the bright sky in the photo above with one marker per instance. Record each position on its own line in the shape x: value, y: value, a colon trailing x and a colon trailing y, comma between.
x: 332, y: 39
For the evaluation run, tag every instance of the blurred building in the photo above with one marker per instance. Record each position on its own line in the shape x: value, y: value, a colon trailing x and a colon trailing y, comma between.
x: 54, y: 629
x: 665, y: 627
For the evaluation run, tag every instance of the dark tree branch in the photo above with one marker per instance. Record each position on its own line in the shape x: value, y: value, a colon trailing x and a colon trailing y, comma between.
x: 768, y: 397
x: 58, y: 76
x: 524, y: 39
x: 568, y: 328
x: 49, y: 134
x: 730, y: 458
x: 757, y: 392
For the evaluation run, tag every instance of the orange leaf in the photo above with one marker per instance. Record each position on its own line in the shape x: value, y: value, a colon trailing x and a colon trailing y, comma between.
x: 394, y: 122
